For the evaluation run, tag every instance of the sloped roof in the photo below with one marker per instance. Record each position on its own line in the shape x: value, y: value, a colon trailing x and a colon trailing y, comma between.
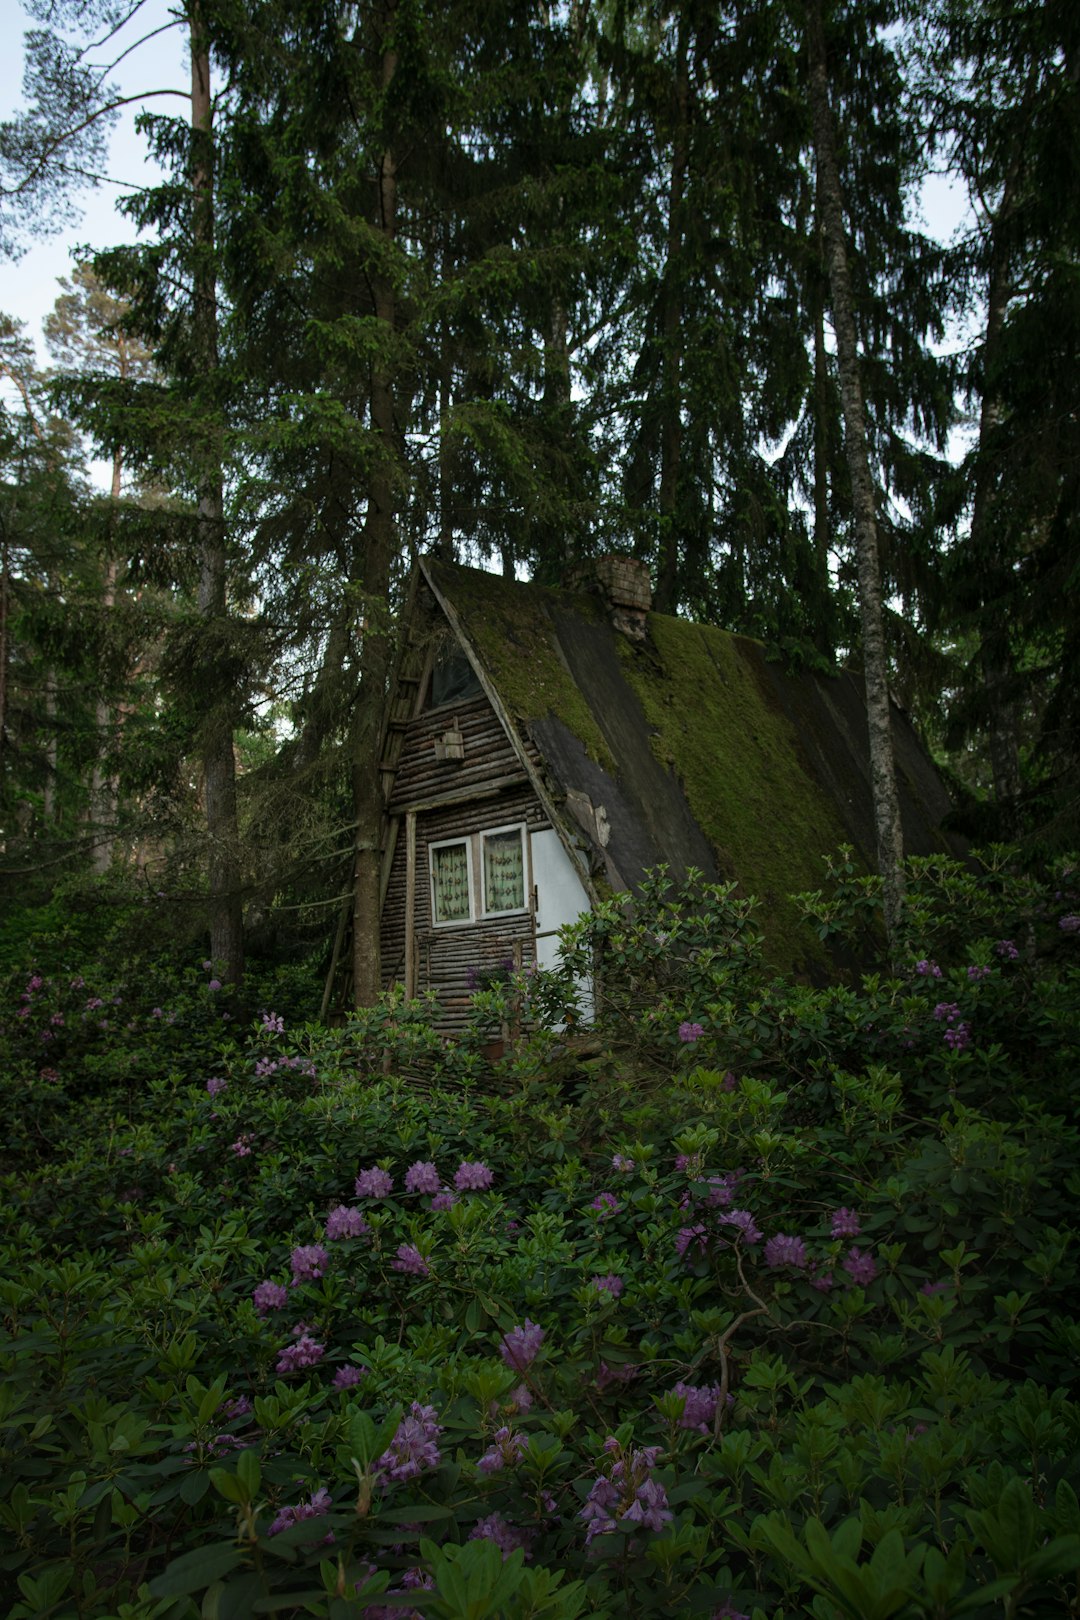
x: 688, y: 749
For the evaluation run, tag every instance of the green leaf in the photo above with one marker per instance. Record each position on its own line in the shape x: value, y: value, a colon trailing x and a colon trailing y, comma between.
x: 194, y: 1571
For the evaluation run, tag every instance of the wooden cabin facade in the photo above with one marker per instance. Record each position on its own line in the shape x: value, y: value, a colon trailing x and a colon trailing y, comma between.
x: 543, y: 747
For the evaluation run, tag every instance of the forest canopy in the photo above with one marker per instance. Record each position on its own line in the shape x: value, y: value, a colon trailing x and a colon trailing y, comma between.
x: 521, y: 285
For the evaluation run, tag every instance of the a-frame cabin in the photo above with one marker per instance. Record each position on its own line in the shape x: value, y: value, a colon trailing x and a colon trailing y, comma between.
x: 544, y: 747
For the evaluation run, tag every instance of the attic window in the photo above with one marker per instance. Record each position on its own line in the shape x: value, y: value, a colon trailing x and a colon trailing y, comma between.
x: 453, y: 678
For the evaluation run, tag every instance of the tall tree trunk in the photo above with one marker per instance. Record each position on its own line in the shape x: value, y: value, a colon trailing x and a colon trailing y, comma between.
x: 218, y: 759
x: 890, y: 844
x: 380, y: 541
x: 102, y: 786
x: 666, y: 599
x: 995, y: 651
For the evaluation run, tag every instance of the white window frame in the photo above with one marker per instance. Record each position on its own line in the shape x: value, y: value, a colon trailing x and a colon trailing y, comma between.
x: 447, y: 843
x: 491, y: 832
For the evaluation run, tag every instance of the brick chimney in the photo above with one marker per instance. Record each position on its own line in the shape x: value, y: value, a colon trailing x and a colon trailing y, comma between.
x: 627, y: 588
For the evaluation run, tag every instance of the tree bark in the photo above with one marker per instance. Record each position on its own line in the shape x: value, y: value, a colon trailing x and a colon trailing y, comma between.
x: 890, y: 846
x: 995, y: 652
x: 380, y: 542
x: 666, y: 598
x: 218, y: 759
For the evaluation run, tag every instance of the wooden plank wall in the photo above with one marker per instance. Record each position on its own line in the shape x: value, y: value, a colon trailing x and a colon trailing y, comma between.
x: 445, y: 955
x: 489, y: 754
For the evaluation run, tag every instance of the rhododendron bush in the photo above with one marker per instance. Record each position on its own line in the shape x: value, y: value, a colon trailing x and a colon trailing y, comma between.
x: 757, y: 1299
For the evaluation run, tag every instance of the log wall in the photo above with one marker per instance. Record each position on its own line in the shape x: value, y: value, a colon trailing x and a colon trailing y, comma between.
x: 494, y: 793
x: 488, y: 753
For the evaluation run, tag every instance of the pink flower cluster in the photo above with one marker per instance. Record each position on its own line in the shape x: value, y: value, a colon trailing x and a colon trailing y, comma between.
x: 410, y: 1260
x: 316, y: 1505
x: 472, y: 1176
x: 345, y: 1222
x: 304, y: 1352
x: 308, y: 1262
x: 520, y: 1347
x: 505, y: 1451
x: 374, y: 1183
x: 701, y: 1403
x: 269, y: 1296
x: 422, y: 1177
x: 413, y: 1448
x: 505, y: 1536
x: 625, y: 1493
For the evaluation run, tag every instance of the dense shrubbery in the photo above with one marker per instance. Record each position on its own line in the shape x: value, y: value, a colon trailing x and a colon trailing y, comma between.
x: 752, y: 1299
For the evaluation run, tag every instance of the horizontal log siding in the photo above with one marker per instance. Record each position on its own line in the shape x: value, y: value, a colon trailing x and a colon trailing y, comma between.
x: 488, y: 753
x: 447, y: 954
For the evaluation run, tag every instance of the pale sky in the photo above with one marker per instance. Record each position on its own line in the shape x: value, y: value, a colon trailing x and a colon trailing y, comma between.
x: 28, y: 287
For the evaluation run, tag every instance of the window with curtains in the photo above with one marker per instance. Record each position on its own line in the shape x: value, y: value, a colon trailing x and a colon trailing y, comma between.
x: 451, y: 882
x: 481, y: 875
x: 504, y: 870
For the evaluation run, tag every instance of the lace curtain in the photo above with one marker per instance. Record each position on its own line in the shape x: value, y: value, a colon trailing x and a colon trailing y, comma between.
x: 504, y: 872
x: 450, y: 866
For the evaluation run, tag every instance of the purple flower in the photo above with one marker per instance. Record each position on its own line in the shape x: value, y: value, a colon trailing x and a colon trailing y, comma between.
x: 413, y: 1447
x: 688, y: 1163
x: 272, y: 1024
x: 691, y: 1237
x: 845, y: 1223
x: 1069, y: 924
x: 786, y: 1251
x: 374, y: 1183
x: 957, y: 1039
x: 611, y: 1284
x: 625, y: 1492
x: 444, y: 1200
x: 700, y: 1408
x: 1006, y: 949
x: 728, y: 1611
x: 519, y: 1347
x: 506, y: 1451
x: 623, y: 1165
x: 472, y: 1176
x: 269, y: 1296
x: 744, y: 1223
x: 214, y: 985
x: 216, y: 1086
x: 927, y: 969
x: 345, y: 1222
x: 947, y: 1010
x: 409, y: 1259
x: 605, y: 1204
x: 505, y: 1536
x: 976, y: 972
x: 305, y: 1352
x: 721, y: 1191
x: 308, y: 1262
x: 236, y: 1407
x: 421, y: 1177
x: 690, y: 1032
x: 860, y: 1267
x: 349, y: 1376
x: 317, y: 1505
x: 822, y: 1281
x: 242, y: 1146
x: 932, y: 1288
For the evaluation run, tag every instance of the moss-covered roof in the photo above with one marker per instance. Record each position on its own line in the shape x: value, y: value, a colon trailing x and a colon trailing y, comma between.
x: 687, y: 748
